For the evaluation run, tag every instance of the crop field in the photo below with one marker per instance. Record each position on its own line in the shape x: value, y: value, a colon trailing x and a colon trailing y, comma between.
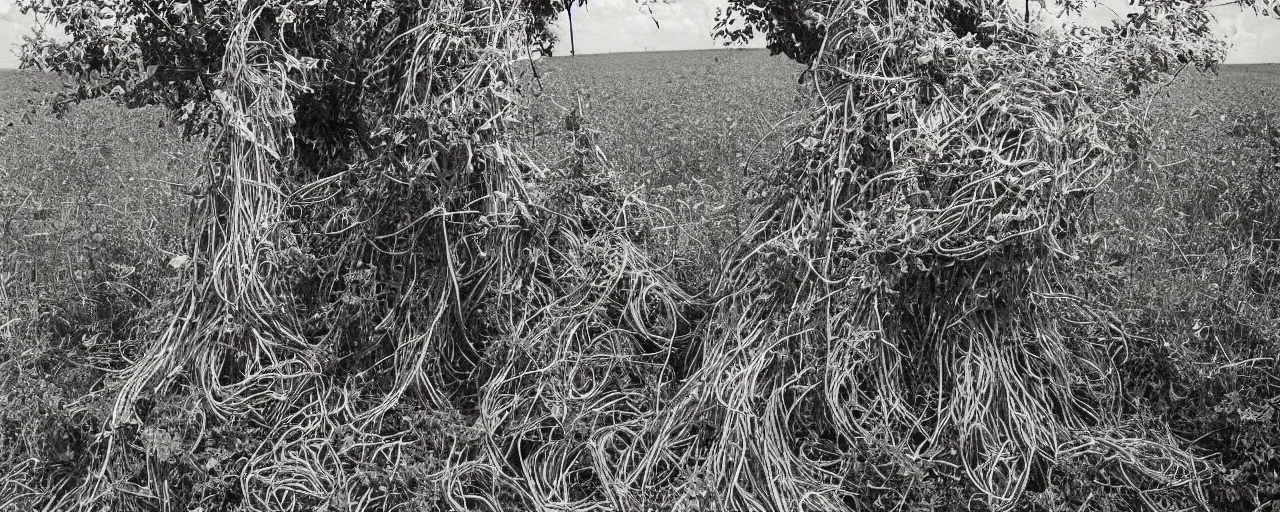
x: 683, y: 129
x: 95, y: 220
x: 88, y: 217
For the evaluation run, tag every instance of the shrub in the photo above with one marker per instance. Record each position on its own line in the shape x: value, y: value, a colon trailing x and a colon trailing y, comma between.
x: 375, y: 279
x: 908, y: 312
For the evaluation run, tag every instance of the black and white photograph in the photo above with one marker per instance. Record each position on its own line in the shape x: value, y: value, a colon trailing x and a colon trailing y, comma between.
x: 639, y: 255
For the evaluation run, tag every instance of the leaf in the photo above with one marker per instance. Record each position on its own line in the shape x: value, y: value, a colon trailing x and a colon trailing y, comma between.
x: 179, y: 261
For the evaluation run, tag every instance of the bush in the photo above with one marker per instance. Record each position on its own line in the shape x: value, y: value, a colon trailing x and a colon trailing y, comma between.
x: 906, y: 313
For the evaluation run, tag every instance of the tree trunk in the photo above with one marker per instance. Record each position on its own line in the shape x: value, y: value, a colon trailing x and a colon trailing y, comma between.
x: 568, y: 8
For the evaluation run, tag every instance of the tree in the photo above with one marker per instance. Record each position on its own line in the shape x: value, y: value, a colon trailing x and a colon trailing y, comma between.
x: 164, y: 52
x: 362, y: 228
x: 919, y: 248
x: 790, y: 27
x: 545, y: 12
x: 540, y: 28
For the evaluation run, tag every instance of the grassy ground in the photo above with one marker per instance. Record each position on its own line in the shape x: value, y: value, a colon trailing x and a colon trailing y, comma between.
x: 1193, y: 245
x: 88, y: 220
x: 90, y: 213
x: 686, y: 130
x: 83, y: 198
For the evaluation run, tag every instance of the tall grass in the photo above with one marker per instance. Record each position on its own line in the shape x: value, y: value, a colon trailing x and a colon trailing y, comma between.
x: 88, y: 224
x: 1187, y: 257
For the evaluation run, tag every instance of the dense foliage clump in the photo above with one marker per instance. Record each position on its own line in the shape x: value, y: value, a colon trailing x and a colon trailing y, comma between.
x: 369, y: 273
x: 905, y: 315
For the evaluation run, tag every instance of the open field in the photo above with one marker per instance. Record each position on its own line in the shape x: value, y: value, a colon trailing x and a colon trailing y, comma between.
x: 88, y: 203
x: 93, y: 209
x: 1193, y: 246
x: 685, y: 130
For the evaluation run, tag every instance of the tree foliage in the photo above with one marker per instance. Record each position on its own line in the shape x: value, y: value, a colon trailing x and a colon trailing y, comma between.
x: 367, y: 269
x: 540, y: 28
x: 543, y: 14
x: 1160, y: 37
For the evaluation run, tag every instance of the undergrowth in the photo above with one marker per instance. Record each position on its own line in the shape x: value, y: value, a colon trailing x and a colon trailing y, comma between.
x: 89, y: 222
x: 1189, y: 257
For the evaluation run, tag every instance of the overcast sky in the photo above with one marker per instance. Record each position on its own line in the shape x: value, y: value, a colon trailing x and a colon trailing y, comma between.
x: 605, y: 26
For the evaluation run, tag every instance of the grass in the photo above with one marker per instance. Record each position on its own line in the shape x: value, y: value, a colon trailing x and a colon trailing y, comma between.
x: 1191, y: 249
x: 685, y: 130
x: 85, y: 197
x: 89, y: 201
x: 92, y: 211
x: 88, y: 221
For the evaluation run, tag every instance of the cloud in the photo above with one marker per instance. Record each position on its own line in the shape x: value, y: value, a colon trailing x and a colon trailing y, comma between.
x: 605, y: 26
x: 1253, y: 38
x: 13, y: 25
